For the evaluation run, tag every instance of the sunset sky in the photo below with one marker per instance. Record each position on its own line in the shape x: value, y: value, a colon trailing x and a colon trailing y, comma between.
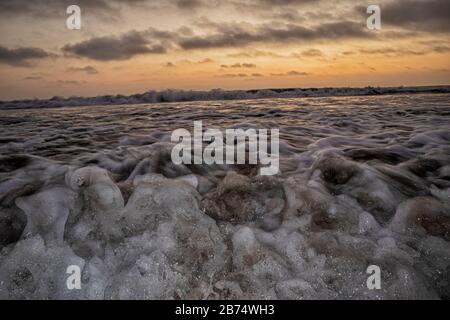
x: 138, y: 45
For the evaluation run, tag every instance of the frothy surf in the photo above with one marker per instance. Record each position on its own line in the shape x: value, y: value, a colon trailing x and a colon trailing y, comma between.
x: 363, y: 181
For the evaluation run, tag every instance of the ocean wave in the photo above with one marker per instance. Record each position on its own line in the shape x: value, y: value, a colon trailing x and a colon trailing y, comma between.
x: 172, y: 95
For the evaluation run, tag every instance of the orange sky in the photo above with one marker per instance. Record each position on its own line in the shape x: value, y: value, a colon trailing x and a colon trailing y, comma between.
x: 137, y: 45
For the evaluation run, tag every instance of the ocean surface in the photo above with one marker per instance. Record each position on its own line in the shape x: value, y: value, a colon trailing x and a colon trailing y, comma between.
x: 363, y: 180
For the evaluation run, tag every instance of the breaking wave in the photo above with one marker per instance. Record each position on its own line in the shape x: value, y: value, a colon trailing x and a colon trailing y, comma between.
x: 172, y: 95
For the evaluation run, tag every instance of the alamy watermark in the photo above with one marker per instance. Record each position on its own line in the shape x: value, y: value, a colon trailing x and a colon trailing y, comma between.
x: 250, y: 146
x: 74, y: 279
x: 73, y: 22
x: 374, y: 20
x: 374, y: 279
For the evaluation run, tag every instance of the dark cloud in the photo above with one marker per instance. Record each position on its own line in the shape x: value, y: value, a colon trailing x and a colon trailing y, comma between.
x: 86, y: 69
x: 234, y: 35
x: 21, y: 57
x: 270, y: 4
x: 283, y: 15
x: 427, y: 15
x: 312, y: 53
x: 104, y: 8
x: 189, y: 4
x: 248, y: 65
x: 157, y: 41
x: 115, y: 48
x: 49, y: 8
x: 393, y: 52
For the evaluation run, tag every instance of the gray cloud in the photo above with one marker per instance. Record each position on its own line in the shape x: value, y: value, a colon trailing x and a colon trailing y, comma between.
x: 312, y: 53
x: 154, y: 41
x: 441, y: 49
x: 48, y: 8
x: 429, y: 15
x: 86, y: 69
x: 189, y: 4
x: 290, y: 73
x: 115, y: 48
x: 21, y: 57
x: 271, y: 4
x: 203, y: 61
x: 104, y: 8
x: 399, y: 52
x: 233, y: 35
x: 392, y: 52
x: 234, y: 75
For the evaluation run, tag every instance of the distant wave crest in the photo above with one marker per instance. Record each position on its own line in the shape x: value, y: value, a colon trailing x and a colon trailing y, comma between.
x: 173, y: 95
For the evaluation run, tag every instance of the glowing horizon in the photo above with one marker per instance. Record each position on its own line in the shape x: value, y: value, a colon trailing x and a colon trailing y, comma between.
x: 127, y: 47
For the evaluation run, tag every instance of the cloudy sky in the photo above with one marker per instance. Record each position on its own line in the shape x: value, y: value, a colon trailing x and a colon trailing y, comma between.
x: 131, y: 46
